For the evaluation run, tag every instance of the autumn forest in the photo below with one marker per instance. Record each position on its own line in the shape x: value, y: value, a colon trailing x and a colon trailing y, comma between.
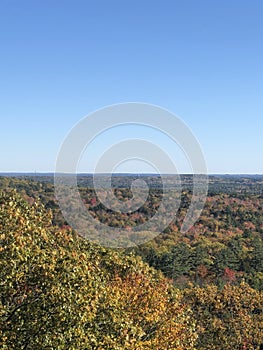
x: 198, y: 290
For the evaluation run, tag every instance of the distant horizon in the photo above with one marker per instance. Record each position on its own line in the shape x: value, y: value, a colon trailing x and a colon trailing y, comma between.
x: 10, y: 173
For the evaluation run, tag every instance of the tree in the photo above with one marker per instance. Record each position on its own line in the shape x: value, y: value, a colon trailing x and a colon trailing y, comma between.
x: 230, y: 318
x: 58, y: 291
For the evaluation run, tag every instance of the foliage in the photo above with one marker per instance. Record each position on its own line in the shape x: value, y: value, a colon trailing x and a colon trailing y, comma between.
x: 57, y: 291
x: 230, y: 318
x: 228, y: 235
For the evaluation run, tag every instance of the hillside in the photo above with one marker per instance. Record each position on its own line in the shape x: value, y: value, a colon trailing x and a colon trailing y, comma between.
x: 59, y: 291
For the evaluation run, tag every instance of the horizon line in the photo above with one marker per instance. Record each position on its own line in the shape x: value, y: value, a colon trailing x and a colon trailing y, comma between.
x: 50, y: 173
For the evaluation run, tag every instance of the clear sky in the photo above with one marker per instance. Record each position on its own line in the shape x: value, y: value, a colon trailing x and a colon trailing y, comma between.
x: 62, y: 59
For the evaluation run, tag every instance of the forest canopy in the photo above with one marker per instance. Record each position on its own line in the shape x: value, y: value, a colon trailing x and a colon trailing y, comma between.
x: 198, y: 291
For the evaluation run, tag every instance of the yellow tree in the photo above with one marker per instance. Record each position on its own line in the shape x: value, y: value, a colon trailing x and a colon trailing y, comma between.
x: 57, y: 291
x: 230, y: 318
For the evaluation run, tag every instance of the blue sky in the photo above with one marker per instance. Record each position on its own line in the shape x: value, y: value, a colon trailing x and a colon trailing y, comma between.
x: 61, y: 60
